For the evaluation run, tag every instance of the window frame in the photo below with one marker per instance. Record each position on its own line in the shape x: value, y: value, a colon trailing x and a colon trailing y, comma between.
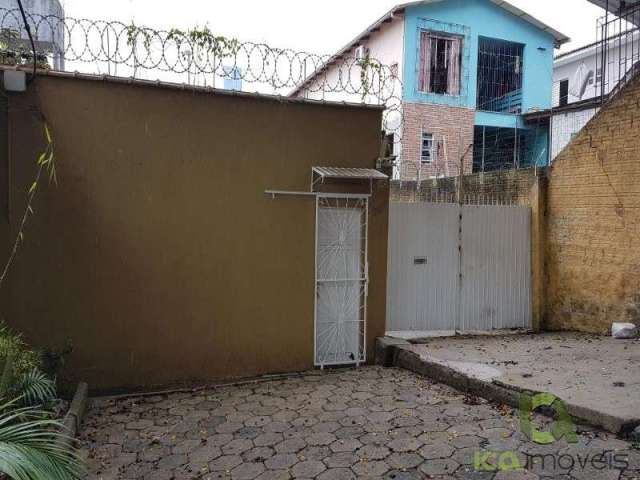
x: 432, y: 150
x: 449, y: 37
x: 563, y: 100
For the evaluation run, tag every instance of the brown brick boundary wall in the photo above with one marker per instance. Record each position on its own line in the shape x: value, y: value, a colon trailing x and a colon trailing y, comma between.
x: 508, y: 187
x: 593, y: 246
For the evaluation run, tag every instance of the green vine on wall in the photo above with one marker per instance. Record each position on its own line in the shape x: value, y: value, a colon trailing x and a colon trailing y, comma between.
x: 201, y: 38
x: 134, y: 33
x: 206, y: 41
x: 45, y: 166
x: 368, y: 66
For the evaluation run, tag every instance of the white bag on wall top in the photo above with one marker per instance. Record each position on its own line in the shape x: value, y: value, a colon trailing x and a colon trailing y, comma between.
x: 624, y: 330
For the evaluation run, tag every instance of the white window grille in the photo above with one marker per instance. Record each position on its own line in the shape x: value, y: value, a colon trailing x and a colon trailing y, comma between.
x: 428, y: 154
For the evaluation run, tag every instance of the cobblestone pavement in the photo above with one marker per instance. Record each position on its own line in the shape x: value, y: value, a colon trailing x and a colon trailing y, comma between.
x: 364, y: 423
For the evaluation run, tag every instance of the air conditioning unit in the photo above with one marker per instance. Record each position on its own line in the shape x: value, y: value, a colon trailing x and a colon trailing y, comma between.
x: 361, y: 53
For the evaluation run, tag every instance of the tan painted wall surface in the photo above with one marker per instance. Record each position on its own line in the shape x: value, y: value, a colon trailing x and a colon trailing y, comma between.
x: 158, y: 254
x: 593, y: 222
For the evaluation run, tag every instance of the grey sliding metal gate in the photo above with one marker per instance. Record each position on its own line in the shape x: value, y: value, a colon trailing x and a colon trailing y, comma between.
x: 458, y: 268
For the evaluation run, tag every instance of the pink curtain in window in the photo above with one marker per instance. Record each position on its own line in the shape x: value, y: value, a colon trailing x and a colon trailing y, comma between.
x: 454, y: 67
x: 424, y: 78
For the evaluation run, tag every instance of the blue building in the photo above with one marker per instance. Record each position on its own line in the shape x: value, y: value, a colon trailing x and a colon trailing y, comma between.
x: 232, y: 78
x: 471, y: 71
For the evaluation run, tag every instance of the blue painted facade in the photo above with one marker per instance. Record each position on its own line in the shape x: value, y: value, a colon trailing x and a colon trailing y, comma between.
x: 472, y: 19
x: 232, y: 78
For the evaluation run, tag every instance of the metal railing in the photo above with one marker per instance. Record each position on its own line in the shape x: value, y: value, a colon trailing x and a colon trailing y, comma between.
x: 618, y: 50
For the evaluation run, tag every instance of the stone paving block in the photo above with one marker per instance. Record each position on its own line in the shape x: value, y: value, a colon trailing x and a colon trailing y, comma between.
x: 247, y: 471
x: 466, y: 441
x: 274, y: 475
x: 281, y: 461
x: 373, y: 452
x: 321, y: 439
x: 172, y: 461
x: 370, y: 469
x: 225, y: 463
x: 403, y: 475
x: 325, y: 427
x: 444, y: 466
x: 361, y: 423
x: 402, y: 461
x: 341, y: 460
x: 258, y: 454
x: 336, y: 474
x: 204, y: 454
x: 314, y: 453
x: 237, y: 446
x: 308, y: 469
x: 291, y: 445
x: 268, y: 439
x: 437, y: 450
x: 406, y: 444
x: 350, y: 445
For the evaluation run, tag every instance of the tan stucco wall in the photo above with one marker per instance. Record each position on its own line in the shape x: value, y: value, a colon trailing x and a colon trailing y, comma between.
x: 158, y: 254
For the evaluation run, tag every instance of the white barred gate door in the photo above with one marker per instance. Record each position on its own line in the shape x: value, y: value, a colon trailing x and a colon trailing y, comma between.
x: 456, y: 268
x: 341, y: 280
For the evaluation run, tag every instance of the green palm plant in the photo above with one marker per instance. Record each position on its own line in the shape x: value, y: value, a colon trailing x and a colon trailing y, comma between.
x: 33, y: 445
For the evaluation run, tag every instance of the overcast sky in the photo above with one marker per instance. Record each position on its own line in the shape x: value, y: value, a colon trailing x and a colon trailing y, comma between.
x: 320, y: 26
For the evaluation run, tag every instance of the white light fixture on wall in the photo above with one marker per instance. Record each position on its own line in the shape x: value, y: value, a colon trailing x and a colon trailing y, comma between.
x: 14, y: 81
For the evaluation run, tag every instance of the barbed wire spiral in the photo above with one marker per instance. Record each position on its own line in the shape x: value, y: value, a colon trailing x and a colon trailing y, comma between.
x: 199, y: 57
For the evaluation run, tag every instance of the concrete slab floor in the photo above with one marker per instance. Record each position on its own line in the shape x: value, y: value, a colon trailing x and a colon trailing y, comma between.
x: 368, y: 423
x: 593, y: 373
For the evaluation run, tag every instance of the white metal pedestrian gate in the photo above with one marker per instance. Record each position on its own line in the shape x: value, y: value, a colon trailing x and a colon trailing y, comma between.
x: 341, y: 280
x: 458, y: 268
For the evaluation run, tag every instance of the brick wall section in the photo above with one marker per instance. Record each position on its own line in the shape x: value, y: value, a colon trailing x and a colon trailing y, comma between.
x: 508, y: 187
x: 593, y: 222
x: 452, y: 128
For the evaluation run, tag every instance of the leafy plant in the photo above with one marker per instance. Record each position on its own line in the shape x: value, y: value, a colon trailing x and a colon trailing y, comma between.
x: 24, y: 358
x: 45, y: 164
x: 201, y: 38
x: 134, y: 32
x: 368, y: 66
x: 32, y: 447
x: 206, y: 41
x: 32, y: 444
x: 22, y: 382
x: 14, y: 52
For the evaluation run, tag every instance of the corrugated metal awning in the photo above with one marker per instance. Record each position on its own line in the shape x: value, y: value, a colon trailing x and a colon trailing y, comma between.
x: 349, y: 173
